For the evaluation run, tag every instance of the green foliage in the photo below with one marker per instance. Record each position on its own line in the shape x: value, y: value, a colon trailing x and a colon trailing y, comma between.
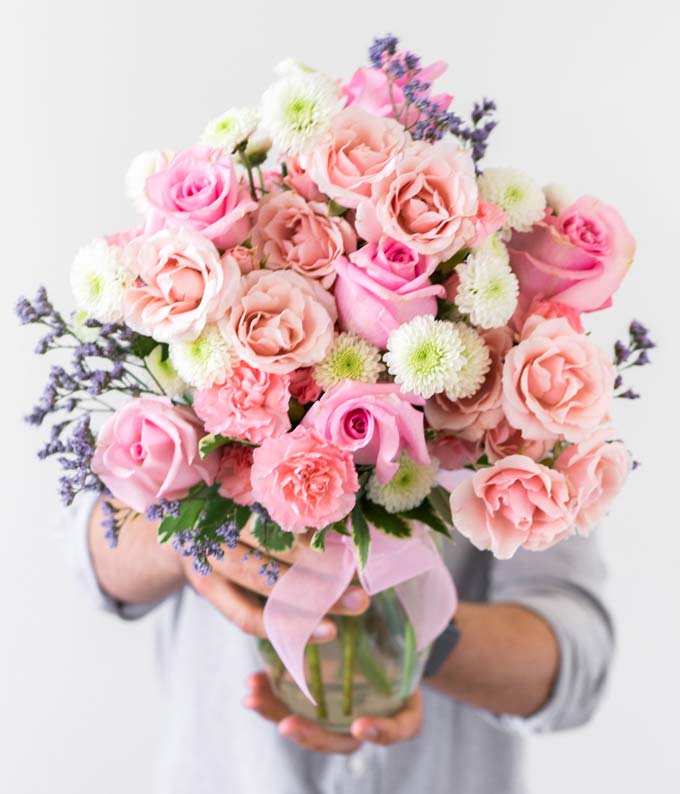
x: 335, y: 209
x: 210, y: 443
x: 360, y: 534
x: 439, y: 501
x: 141, y: 346
x: 271, y: 537
x: 390, y: 523
x: 426, y: 514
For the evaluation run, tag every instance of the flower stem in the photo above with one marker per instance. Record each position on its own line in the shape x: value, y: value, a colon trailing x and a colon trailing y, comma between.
x: 245, y: 160
x: 316, y: 681
x: 349, y: 636
x: 409, y: 660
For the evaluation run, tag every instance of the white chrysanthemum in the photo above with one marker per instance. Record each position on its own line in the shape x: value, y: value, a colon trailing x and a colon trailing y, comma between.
x: 298, y: 109
x: 165, y: 373
x: 231, y: 128
x: 350, y: 357
x: 204, y: 361
x: 407, y: 489
x: 558, y: 197
x: 140, y: 169
x: 98, y: 280
x: 516, y: 193
x: 83, y: 331
x: 487, y: 290
x: 477, y: 361
x: 424, y: 355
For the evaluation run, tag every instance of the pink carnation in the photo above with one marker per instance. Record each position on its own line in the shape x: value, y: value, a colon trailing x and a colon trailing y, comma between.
x: 304, y: 481
x: 303, y: 387
x: 514, y: 503
x: 250, y: 404
x: 234, y: 474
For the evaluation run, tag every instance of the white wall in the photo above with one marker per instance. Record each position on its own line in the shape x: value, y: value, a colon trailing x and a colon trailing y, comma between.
x: 588, y: 96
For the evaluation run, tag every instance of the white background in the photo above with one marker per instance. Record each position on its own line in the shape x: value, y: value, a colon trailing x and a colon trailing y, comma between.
x: 588, y: 96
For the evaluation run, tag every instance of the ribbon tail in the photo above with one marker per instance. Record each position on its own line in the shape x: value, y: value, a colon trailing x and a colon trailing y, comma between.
x: 430, y: 601
x: 300, y: 599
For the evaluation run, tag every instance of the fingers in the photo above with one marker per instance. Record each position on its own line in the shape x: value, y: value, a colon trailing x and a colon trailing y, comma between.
x: 261, y: 699
x: 388, y: 730
x: 242, y: 609
x: 243, y: 566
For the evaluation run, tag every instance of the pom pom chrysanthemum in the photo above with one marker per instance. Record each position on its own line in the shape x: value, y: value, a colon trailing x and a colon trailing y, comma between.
x: 487, y: 289
x: 516, y: 193
x: 477, y: 361
x: 349, y: 358
x: 407, y: 489
x: 206, y: 360
x: 98, y: 280
x: 231, y: 128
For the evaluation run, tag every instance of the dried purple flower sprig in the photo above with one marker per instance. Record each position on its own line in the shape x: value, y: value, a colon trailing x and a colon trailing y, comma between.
x: 634, y: 353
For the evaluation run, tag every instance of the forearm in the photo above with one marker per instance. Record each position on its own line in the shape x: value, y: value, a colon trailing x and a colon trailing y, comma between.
x: 505, y: 662
x: 139, y: 570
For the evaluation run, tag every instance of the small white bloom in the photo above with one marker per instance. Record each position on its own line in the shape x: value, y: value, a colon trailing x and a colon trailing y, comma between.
x: 298, y: 108
x: 477, y: 363
x: 204, y: 361
x: 350, y: 357
x: 516, y: 194
x: 231, y: 128
x: 425, y: 355
x: 165, y: 373
x: 140, y: 169
x: 407, y: 489
x: 558, y: 197
x: 488, y: 289
x: 290, y: 66
x: 98, y: 280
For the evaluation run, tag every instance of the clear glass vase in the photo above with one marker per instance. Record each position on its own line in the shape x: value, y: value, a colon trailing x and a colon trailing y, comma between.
x: 368, y: 670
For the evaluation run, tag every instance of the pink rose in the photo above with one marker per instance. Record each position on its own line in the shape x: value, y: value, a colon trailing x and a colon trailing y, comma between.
x: 374, y: 421
x: 471, y: 416
x: 429, y: 202
x: 453, y: 452
x: 299, y: 180
x: 503, y: 440
x: 121, y: 239
x: 556, y: 382
x: 514, y: 503
x: 303, y: 481
x: 577, y: 258
x: 383, y: 285
x: 280, y: 321
x: 148, y: 450
x: 181, y: 283
x: 596, y: 470
x: 200, y: 189
x: 245, y: 259
x: 234, y: 474
x: 360, y: 150
x: 489, y: 219
x: 250, y: 404
x: 292, y: 233
x: 303, y: 387
x: 549, y: 310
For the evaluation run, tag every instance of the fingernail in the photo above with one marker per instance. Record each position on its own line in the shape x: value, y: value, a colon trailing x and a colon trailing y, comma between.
x: 371, y: 732
x: 353, y: 599
x: 323, y: 631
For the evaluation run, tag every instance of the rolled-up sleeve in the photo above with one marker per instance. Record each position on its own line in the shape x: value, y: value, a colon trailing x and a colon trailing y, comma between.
x: 564, y: 586
x: 73, y: 525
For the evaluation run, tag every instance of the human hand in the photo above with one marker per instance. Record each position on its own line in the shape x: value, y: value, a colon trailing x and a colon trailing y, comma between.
x: 311, y: 736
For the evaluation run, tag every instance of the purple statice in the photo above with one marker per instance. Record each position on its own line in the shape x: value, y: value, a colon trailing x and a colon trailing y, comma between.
x: 633, y: 353
x: 113, y: 522
x: 382, y: 49
x: 201, y: 545
x: 271, y: 571
x: 75, y: 458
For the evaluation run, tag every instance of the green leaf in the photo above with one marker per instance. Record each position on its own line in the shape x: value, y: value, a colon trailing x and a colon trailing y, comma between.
x: 439, y: 498
x: 141, y: 346
x: 335, y: 209
x: 360, y: 534
x: 189, y: 511
x: 242, y: 514
x: 217, y: 511
x: 210, y: 443
x: 165, y: 351
x: 271, y: 537
x: 389, y: 523
x: 318, y: 542
x: 426, y: 515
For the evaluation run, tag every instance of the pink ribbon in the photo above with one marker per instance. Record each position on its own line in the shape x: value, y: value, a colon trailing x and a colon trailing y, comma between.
x: 305, y: 593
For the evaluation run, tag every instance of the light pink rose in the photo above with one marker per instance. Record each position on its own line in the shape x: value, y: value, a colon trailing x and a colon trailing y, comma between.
x: 299, y: 180
x: 201, y: 189
x: 303, y: 481
x: 121, y: 239
x: 292, y: 233
x: 303, y: 387
x: 181, y: 283
x: 596, y: 471
x: 489, y: 219
x: 250, y: 404
x: 148, y: 450
x: 548, y: 309
x: 514, y: 503
x: 374, y: 421
x: 556, y: 382
x: 234, y: 474
x: 503, y: 440
x: 360, y: 150
x: 471, y: 416
x: 429, y: 202
x: 383, y: 285
x: 453, y: 452
x: 280, y: 321
x: 577, y: 258
x: 245, y: 259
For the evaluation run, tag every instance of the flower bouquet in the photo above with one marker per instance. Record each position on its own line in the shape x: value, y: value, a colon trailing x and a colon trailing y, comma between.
x: 333, y: 329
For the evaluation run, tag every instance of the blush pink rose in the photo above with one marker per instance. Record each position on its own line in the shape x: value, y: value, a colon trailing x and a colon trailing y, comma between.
x: 200, y: 189
x: 577, y: 258
x: 383, y: 285
x: 514, y: 503
x: 234, y: 474
x: 556, y: 382
x: 303, y: 387
x: 280, y: 321
x: 489, y: 219
x: 549, y: 310
x: 471, y: 416
x: 121, y: 239
x: 429, y: 202
x: 303, y: 481
x: 299, y: 180
x: 148, y: 450
x: 503, y: 440
x: 250, y: 404
x: 245, y: 259
x: 596, y: 470
x: 360, y: 150
x: 292, y: 233
x: 453, y: 452
x: 181, y: 283
x: 374, y: 421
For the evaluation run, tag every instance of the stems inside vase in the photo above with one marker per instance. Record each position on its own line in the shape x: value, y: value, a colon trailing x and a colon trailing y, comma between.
x: 316, y: 681
x: 349, y: 636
